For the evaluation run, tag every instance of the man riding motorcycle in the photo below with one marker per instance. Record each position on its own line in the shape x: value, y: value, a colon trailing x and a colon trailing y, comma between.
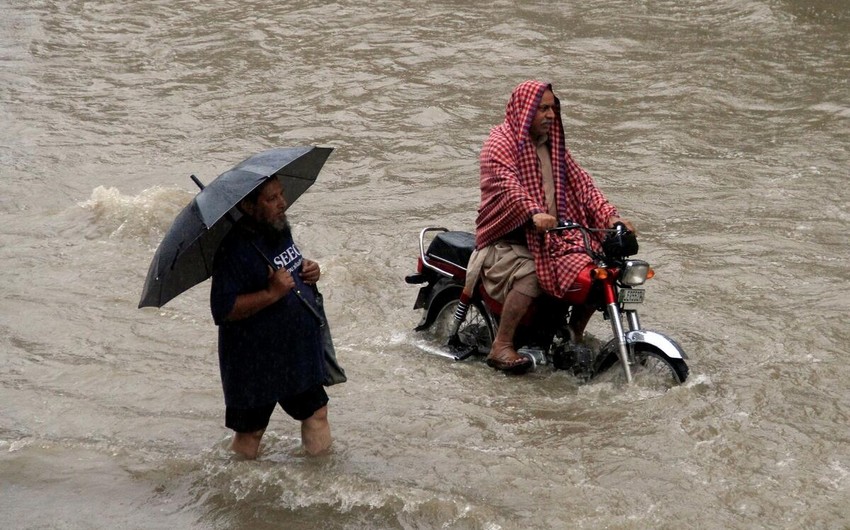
x: 529, y: 181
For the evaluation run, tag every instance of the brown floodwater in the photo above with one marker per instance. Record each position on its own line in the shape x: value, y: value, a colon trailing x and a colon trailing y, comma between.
x: 721, y: 128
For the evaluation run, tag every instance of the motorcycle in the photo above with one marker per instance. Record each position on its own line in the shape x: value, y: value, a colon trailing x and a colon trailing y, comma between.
x: 465, y: 325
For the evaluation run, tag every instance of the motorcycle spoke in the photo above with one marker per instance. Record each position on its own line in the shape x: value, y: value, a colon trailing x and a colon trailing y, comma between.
x: 474, y: 331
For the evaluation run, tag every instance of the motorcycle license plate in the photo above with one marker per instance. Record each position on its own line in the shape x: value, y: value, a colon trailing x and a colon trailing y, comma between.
x: 631, y: 296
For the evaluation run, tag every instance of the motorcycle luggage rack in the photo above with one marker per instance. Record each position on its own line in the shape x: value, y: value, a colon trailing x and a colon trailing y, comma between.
x: 448, y: 247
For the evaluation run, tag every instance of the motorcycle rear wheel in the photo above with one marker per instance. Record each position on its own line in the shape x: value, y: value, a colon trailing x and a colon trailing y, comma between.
x: 476, y: 330
x: 651, y: 367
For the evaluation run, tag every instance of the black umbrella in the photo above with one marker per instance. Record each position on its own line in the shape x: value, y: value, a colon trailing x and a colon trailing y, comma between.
x: 185, y: 255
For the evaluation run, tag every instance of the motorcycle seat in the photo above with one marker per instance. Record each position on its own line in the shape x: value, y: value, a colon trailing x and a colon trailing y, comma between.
x: 454, y: 247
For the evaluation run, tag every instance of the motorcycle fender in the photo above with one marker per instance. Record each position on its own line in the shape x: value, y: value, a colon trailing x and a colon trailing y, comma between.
x: 437, y: 296
x: 422, y: 297
x: 664, y: 343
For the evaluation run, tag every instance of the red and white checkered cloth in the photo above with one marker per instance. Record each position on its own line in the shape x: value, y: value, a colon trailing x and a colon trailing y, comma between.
x: 512, y: 191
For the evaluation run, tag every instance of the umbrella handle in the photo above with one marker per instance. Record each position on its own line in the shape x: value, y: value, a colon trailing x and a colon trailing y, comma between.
x: 308, y: 305
x: 310, y: 308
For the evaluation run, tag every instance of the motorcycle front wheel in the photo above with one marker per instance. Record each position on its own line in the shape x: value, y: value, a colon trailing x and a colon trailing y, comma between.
x: 651, y: 367
x: 476, y: 330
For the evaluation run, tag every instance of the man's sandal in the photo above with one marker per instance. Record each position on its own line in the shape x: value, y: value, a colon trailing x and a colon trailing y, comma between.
x: 520, y: 365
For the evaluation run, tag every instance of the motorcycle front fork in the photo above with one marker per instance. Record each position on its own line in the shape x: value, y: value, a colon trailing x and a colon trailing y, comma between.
x: 614, y: 316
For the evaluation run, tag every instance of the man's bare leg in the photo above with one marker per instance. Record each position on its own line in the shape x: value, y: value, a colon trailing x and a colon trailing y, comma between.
x: 578, y: 321
x: 316, y: 432
x: 247, y: 444
x: 502, y: 353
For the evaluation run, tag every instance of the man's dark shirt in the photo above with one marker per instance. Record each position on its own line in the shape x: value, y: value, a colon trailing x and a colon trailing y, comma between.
x: 277, y: 352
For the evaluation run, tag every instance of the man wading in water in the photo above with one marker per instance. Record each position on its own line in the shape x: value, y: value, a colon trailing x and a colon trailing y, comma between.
x: 269, y: 344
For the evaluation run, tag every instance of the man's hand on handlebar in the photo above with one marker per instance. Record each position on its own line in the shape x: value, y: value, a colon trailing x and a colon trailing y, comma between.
x: 544, y: 221
x: 628, y: 224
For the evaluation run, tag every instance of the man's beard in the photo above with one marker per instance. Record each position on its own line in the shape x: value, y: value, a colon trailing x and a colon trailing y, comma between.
x: 280, y: 227
x: 274, y: 230
x: 281, y: 224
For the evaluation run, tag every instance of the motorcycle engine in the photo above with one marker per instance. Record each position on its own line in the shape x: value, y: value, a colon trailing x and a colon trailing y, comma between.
x: 576, y: 358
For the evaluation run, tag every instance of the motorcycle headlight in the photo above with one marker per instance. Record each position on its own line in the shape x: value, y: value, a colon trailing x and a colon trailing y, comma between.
x: 635, y: 272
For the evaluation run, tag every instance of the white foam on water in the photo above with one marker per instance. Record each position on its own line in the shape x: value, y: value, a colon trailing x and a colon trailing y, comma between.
x: 144, y: 216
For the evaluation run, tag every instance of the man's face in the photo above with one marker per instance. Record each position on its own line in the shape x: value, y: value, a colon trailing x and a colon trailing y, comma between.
x: 271, y: 206
x: 545, y: 116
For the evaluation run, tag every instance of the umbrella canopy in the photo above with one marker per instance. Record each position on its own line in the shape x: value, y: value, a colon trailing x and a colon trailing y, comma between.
x: 297, y: 168
x: 185, y: 255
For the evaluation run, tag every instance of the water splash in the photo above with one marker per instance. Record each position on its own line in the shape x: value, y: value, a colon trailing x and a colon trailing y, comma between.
x: 145, y: 216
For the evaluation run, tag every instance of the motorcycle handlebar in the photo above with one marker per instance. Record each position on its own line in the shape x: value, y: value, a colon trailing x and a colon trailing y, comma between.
x: 619, y: 229
x: 566, y: 224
